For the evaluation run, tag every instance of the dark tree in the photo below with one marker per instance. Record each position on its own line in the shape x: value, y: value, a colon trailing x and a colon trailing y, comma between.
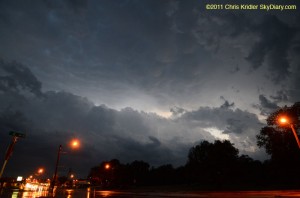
x: 163, y: 175
x: 106, y: 174
x: 139, y: 172
x: 277, y: 139
x: 213, y: 153
x: 212, y: 163
x: 113, y: 174
x: 249, y: 173
x: 279, y: 142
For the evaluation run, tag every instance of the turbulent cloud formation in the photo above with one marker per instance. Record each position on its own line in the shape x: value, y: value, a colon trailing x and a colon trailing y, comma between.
x: 140, y: 80
x: 226, y: 103
x: 19, y: 77
x: 126, y: 134
x: 266, y: 106
x: 275, y: 39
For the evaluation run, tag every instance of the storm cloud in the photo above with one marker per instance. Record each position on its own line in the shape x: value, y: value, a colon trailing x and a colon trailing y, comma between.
x: 126, y: 134
x: 139, y: 80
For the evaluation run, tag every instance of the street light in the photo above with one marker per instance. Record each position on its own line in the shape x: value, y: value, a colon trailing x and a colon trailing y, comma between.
x: 285, y: 121
x: 74, y: 144
x: 40, y: 171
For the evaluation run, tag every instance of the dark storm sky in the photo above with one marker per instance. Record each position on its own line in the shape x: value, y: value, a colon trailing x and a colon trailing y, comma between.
x: 140, y: 80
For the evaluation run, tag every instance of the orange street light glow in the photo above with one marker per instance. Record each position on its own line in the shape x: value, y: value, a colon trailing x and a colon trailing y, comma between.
x: 75, y: 143
x: 41, y: 170
x: 283, y: 120
x: 107, y: 166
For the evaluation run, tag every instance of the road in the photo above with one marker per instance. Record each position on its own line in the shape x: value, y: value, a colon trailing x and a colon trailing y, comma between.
x: 129, y: 194
x: 200, y: 194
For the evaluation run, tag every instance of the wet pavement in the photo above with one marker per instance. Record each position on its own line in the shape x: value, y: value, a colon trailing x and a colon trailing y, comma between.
x: 90, y: 193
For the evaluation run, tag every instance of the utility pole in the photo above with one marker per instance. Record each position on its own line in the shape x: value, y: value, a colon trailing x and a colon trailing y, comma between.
x: 55, y: 172
x: 15, y: 136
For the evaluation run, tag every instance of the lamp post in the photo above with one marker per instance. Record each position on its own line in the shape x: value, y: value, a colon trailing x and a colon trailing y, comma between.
x: 285, y: 121
x: 56, y: 167
x: 74, y: 144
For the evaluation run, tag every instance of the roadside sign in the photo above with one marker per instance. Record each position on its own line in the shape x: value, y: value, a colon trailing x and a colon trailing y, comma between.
x: 17, y: 134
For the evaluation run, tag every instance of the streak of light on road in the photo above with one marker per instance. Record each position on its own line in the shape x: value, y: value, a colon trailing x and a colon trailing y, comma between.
x: 94, y: 193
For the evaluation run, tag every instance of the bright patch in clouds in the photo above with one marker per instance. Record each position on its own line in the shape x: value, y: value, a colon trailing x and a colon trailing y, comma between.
x: 217, y: 133
x: 165, y: 114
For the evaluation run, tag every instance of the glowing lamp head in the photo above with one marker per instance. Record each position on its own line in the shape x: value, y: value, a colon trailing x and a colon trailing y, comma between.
x: 75, y: 143
x: 107, y: 166
x: 41, y: 170
x: 283, y: 120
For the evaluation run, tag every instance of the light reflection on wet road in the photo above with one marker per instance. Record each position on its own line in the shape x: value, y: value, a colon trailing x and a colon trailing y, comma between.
x: 200, y: 194
x: 90, y: 193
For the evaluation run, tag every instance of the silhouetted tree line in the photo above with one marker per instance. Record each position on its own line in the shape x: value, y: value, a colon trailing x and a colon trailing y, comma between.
x: 217, y: 165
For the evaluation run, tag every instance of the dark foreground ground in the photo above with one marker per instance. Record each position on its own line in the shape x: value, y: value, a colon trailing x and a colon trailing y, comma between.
x: 207, y: 194
x: 90, y: 193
